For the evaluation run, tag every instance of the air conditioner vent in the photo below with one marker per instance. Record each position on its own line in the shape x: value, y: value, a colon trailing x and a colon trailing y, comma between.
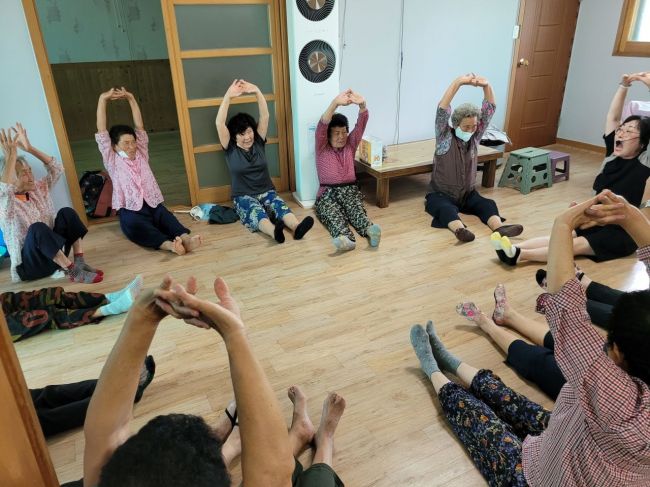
x: 315, y: 10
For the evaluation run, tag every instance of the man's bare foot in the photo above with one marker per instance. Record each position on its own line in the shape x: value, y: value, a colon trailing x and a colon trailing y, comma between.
x: 231, y: 449
x: 333, y: 408
x: 224, y: 427
x: 301, y: 433
x: 175, y: 246
x: 192, y: 243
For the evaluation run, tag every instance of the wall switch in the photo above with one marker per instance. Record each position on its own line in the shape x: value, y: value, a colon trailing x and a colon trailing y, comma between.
x: 515, y: 32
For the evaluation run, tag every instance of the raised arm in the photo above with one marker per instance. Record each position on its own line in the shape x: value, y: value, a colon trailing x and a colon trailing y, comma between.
x: 445, y: 101
x: 266, y: 452
x: 362, y: 120
x: 9, y: 145
x: 110, y: 409
x: 262, y: 106
x: 615, y: 111
x: 138, y: 123
x: 24, y: 144
x: 234, y: 90
x: 341, y: 100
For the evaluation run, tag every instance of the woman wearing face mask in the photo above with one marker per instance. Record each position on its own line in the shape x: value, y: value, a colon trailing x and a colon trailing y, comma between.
x: 38, y: 238
x: 136, y: 195
x: 253, y: 193
x: 625, y: 171
x: 339, y: 200
x: 452, y: 188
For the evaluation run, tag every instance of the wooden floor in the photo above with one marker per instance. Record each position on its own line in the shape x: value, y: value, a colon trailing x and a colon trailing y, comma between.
x: 329, y: 323
x: 165, y: 158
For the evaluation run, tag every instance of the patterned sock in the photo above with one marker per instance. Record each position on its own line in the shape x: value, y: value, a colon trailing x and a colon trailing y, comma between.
x: 76, y: 274
x: 146, y: 376
x: 420, y: 342
x: 469, y: 310
x: 133, y: 288
x: 278, y: 233
x: 81, y: 263
x: 304, y: 226
x: 500, y: 302
x: 118, y: 306
x: 444, y: 357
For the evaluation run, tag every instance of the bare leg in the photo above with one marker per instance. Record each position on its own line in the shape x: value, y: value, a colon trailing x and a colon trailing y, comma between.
x: 540, y: 254
x: 224, y: 427
x: 231, y: 449
x: 494, y: 222
x: 191, y: 243
x: 301, y: 433
x: 333, y: 408
x: 267, y: 228
x: 438, y: 379
x: 502, y: 337
x: 61, y: 260
x: 175, y: 246
x: 531, y: 329
x: 290, y: 221
x: 77, y: 247
x: 455, y: 225
x: 466, y: 373
x: 534, y: 243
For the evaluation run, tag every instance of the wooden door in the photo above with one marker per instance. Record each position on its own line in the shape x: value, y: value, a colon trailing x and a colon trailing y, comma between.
x: 210, y: 43
x: 24, y: 458
x: 540, y: 67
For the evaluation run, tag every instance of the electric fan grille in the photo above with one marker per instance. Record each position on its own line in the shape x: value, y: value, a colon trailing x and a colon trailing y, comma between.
x: 317, y: 61
x: 315, y: 10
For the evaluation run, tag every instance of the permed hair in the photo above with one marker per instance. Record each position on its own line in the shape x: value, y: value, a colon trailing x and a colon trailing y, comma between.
x: 644, y: 129
x: 117, y: 131
x: 463, y: 111
x: 19, y: 160
x: 173, y: 450
x: 238, y: 124
x: 338, y: 120
x: 629, y: 329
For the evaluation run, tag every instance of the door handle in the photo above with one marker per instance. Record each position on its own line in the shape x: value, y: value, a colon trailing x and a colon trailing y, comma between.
x: 522, y: 62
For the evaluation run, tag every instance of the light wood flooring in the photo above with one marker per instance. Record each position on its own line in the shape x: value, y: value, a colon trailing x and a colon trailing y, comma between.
x: 329, y: 323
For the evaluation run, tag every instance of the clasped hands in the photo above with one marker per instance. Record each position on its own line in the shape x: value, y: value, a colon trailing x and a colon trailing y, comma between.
x: 606, y: 208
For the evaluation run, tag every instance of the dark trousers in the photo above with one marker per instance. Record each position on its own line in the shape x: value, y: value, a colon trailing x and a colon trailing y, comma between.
x: 42, y: 243
x: 444, y: 209
x: 601, y: 300
x: 31, y: 312
x: 62, y: 407
x: 150, y: 227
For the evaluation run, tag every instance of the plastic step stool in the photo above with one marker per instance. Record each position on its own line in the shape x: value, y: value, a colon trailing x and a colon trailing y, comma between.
x: 560, y: 173
x: 526, y: 169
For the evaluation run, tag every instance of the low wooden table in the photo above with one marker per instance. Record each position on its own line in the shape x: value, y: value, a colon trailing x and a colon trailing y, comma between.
x: 416, y: 158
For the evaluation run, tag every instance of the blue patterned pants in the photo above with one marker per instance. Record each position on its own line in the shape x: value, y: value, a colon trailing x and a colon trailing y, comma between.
x: 253, y: 209
x: 492, y: 420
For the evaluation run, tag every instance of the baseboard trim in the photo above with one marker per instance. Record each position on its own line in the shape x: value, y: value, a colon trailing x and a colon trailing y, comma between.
x: 581, y: 145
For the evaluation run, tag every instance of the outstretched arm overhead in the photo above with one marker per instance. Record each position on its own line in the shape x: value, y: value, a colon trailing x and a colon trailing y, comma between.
x: 467, y: 79
x: 488, y: 92
x: 104, y: 98
x: 263, y: 122
x: 109, y: 412
x: 615, y: 111
x: 266, y: 452
x: 138, y: 123
x: 9, y: 145
x: 341, y: 100
x: 234, y: 90
x: 24, y: 144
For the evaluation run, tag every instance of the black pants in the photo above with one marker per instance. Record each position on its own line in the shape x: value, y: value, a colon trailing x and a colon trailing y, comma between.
x: 150, y: 227
x: 538, y: 365
x: 444, y: 209
x: 42, y: 243
x: 62, y: 407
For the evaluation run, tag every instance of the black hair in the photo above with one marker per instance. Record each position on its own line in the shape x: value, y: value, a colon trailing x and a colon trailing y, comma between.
x: 629, y: 329
x: 117, y: 131
x: 644, y: 129
x: 338, y: 120
x: 239, y: 123
x: 174, y: 450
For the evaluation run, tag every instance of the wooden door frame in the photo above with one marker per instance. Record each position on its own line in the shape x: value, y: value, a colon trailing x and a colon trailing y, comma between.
x: 54, y: 106
x: 513, y: 67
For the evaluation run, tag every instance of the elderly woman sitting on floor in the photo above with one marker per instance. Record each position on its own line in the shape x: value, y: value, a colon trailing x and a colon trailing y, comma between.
x: 452, y: 188
x: 38, y: 239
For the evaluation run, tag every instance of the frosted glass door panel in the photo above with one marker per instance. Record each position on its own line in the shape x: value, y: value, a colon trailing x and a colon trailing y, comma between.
x: 222, y: 26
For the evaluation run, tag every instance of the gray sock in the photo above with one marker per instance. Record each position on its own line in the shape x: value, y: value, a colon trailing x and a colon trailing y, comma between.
x: 420, y: 342
x: 444, y: 357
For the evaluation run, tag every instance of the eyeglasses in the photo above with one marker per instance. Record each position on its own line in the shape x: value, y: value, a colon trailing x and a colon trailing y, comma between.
x: 621, y: 130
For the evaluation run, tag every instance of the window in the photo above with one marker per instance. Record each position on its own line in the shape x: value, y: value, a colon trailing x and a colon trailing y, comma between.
x: 633, y: 38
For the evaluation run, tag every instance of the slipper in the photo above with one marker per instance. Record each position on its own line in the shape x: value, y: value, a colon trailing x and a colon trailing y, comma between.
x: 232, y: 417
x: 499, y: 303
x: 469, y: 310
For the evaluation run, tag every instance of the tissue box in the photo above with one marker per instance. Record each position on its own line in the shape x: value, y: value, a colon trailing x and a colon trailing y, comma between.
x: 371, y: 150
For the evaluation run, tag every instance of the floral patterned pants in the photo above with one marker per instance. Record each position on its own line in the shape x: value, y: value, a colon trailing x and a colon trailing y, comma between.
x: 339, y: 205
x: 492, y: 420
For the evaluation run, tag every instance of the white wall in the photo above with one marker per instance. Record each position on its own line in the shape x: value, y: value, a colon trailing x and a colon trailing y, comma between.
x: 441, y: 40
x: 22, y: 97
x: 594, y: 73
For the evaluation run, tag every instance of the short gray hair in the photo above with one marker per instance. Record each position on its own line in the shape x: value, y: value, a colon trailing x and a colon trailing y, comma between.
x: 463, y: 111
x: 19, y: 159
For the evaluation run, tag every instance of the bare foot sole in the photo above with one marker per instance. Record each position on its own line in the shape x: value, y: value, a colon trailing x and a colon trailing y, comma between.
x: 302, y: 429
x: 193, y: 243
x: 333, y: 408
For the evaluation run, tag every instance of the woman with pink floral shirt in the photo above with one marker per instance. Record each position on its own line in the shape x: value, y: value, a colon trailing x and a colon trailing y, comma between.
x: 39, y: 239
x: 136, y: 195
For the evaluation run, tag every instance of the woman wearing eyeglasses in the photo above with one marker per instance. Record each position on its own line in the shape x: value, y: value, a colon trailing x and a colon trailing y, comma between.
x: 625, y: 171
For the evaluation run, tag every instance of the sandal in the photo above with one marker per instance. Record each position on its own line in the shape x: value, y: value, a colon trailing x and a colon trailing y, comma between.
x: 232, y: 417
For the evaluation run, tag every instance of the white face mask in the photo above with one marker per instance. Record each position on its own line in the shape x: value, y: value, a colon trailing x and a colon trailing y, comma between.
x: 123, y: 154
x: 464, y: 136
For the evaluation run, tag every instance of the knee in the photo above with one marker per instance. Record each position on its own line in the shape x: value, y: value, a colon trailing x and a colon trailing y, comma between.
x: 38, y: 229
x: 67, y: 212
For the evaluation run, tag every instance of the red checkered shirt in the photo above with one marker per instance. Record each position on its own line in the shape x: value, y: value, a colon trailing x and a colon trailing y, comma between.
x: 336, y: 166
x: 599, y: 432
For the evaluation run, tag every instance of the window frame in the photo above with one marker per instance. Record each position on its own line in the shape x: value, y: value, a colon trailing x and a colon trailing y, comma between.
x: 623, y: 46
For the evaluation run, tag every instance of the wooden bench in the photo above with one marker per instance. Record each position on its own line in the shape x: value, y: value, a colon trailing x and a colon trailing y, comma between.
x: 416, y: 158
